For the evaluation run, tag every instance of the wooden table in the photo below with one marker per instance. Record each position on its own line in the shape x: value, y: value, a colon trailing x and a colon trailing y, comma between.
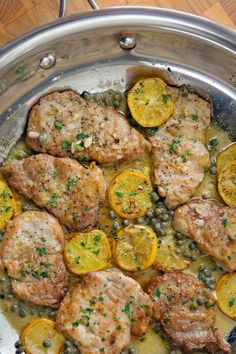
x: 19, y: 16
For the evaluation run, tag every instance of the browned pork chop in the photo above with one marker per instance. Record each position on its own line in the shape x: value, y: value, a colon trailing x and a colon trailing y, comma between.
x: 64, y: 124
x: 102, y: 311
x: 179, y: 153
x: 212, y: 226
x: 63, y: 186
x: 32, y: 253
x: 190, y: 327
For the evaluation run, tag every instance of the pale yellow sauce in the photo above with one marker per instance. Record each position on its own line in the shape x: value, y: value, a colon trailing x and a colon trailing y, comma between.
x: 152, y: 343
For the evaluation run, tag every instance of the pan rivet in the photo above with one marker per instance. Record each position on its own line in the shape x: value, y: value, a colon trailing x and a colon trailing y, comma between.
x: 127, y: 42
x: 48, y: 61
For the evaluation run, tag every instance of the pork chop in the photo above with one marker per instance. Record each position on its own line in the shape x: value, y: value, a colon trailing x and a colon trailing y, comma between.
x: 64, y: 124
x: 63, y: 186
x: 102, y: 311
x: 179, y: 155
x: 190, y: 327
x: 32, y: 253
x: 212, y: 227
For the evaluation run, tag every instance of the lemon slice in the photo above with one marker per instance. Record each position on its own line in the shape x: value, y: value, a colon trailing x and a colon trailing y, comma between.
x: 40, y: 337
x: 129, y: 194
x: 150, y: 102
x: 227, y: 184
x: 87, y: 252
x: 135, y: 248
x: 226, y: 295
x: 7, y: 205
x: 167, y: 258
x: 225, y: 156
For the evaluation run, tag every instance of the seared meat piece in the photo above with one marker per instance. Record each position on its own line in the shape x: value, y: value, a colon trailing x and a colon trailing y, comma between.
x: 64, y: 124
x: 179, y: 154
x: 32, y: 253
x: 189, y: 326
x: 63, y: 186
x: 102, y: 311
x: 212, y: 227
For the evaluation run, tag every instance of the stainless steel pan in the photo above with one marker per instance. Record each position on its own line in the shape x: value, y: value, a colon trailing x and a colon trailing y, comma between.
x: 108, y: 48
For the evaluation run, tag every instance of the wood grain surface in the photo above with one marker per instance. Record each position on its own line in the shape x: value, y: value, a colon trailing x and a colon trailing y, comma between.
x: 19, y: 16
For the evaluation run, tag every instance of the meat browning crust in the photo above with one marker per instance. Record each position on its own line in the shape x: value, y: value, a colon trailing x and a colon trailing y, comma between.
x: 212, y: 227
x: 32, y: 253
x: 63, y: 186
x: 190, y: 327
x: 64, y: 124
x: 179, y: 153
x: 102, y: 311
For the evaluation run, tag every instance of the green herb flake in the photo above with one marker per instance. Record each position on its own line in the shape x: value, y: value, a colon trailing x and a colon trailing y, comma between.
x: 119, y: 194
x: 174, y: 144
x: 102, y: 350
x: 152, y: 131
x: 76, y: 323
x: 184, y: 159
x: 142, y: 339
x: 169, y: 297
x: 185, y: 93
x: 58, y: 125
x: 71, y: 183
x: 166, y: 320
x: 66, y: 144
x: 43, y: 239
x: 127, y: 308
x: 157, y: 292
x: 100, y: 298
x: 156, y: 329
x: 5, y: 194
x: 224, y: 221
x: 23, y: 272
x: 133, y: 194
x: 118, y: 328
x: 205, y: 169
x: 164, y: 98
x: 41, y: 251
x: 96, y: 252
x: 7, y: 209
x: 20, y: 70
x: 97, y: 238
x: 77, y: 259
x: 54, y: 199
x: 81, y: 136
x: 231, y: 302
x: 194, y: 117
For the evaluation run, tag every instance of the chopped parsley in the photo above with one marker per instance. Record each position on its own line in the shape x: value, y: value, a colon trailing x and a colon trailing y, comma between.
x: 169, y: 297
x: 224, y: 221
x: 77, y: 259
x: 41, y: 251
x: 43, y: 239
x: 23, y: 272
x: 70, y: 184
x: 194, y: 117
x: 115, y: 318
x: 184, y: 159
x: 96, y: 252
x: 7, y: 209
x: 157, y: 292
x: 152, y: 131
x: 81, y: 136
x: 66, y: 144
x: 80, y: 146
x: 119, y: 194
x: 156, y: 329
x: 133, y: 194
x: 185, y: 93
x: 234, y: 180
x: 53, y: 203
x: 174, y: 144
x: 231, y: 302
x: 20, y: 70
x: 127, y: 308
x: 100, y: 298
x: 165, y: 98
x: 5, y: 194
x: 142, y: 339
x: 97, y: 238
x: 76, y: 323
x: 166, y: 320
x: 58, y: 125
x: 212, y: 144
x: 118, y: 328
x: 205, y: 169
x: 102, y: 350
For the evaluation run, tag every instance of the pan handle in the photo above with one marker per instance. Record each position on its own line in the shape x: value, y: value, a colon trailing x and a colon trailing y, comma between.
x: 62, y: 8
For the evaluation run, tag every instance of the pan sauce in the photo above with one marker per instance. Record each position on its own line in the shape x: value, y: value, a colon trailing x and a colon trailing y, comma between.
x: 152, y: 343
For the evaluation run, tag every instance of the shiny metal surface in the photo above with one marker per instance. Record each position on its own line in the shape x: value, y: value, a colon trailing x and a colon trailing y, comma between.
x: 181, y: 48
x: 128, y: 42
x: 48, y: 61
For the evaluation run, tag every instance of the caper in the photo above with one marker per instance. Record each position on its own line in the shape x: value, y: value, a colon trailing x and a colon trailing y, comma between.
x: 10, y: 297
x: 177, y: 251
x: 14, y: 307
x: 116, y: 225
x: 200, y: 301
x: 207, y: 273
x: 213, y: 170
x: 178, y: 236
x: 154, y: 221
x: 191, y: 246
x: 157, y: 226
x: 158, y: 211
x: 150, y: 213
x: 140, y: 220
x: 107, y: 101
x: 118, y: 97
x: 164, y: 217
x: 67, y: 344
x: 18, y: 344
x: 193, y: 258
x: 52, y: 313
x: 161, y: 232
x: 116, y: 103
x: 86, y: 95
x: 193, y: 306
x: 132, y: 351
x: 26, y: 207
x: 202, y: 267
x: 42, y: 137
x: 180, y: 242
x: 186, y: 254
x: 155, y: 197
x: 126, y: 222
x: 22, y: 313
x: 211, y: 287
x: 171, y: 212
x: 213, y: 160
x: 47, y: 343
x: 112, y: 214
x: 98, y: 98
x: 212, y: 280
x: 21, y: 155
x: 206, y: 195
x: 209, y: 303
x: 19, y: 350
